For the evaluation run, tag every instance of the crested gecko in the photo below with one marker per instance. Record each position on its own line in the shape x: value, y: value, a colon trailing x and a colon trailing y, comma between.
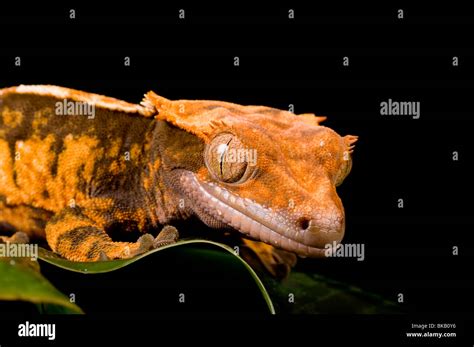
x: 73, y: 164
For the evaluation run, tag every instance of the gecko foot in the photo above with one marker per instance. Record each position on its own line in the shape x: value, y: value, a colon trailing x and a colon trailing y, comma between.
x: 124, y: 250
x: 143, y: 244
x: 167, y: 236
x: 275, y: 261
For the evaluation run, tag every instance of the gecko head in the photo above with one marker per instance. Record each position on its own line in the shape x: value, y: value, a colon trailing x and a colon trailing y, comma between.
x: 267, y: 173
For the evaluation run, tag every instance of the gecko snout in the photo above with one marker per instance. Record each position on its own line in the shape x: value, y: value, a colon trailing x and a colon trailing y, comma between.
x: 323, y: 229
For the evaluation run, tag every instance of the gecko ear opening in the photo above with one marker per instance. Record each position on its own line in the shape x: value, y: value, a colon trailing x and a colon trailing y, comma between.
x: 350, y: 140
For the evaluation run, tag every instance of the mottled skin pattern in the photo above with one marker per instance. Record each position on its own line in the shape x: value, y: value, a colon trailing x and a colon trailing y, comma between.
x: 71, y: 178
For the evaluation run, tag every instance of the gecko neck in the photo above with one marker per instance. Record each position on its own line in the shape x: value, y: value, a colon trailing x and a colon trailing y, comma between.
x: 161, y: 201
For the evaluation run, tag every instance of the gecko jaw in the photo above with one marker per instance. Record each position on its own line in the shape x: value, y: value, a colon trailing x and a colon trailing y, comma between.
x: 263, y: 225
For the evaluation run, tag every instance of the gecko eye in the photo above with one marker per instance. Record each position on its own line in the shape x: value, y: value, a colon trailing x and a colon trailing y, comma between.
x: 228, y: 160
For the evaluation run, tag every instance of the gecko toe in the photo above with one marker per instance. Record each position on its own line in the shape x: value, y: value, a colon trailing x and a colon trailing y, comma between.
x: 103, y: 256
x: 145, y: 242
x: 18, y: 237
x: 167, y: 236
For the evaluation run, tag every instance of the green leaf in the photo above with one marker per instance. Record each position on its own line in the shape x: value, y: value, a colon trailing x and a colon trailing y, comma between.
x: 112, y: 265
x: 316, y: 294
x: 20, y: 279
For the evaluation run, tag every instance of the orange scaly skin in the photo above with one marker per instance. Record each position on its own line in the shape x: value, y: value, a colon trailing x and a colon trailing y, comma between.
x: 70, y: 178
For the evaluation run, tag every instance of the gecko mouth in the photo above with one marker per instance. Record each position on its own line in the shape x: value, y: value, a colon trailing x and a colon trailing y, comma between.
x: 247, y: 216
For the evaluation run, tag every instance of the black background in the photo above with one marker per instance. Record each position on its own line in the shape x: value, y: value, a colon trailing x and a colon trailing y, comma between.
x: 299, y: 62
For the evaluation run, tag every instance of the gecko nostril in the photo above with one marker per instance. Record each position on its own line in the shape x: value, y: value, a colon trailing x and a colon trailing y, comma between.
x: 303, y: 223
